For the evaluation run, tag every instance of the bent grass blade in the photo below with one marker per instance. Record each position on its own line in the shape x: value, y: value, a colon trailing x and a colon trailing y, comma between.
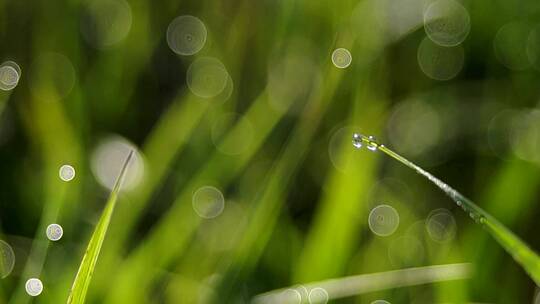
x: 366, y: 283
x: 519, y: 250
x: 86, y: 269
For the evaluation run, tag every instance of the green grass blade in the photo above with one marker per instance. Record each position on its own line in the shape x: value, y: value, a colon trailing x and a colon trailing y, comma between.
x: 86, y: 269
x: 365, y: 283
x: 520, y: 251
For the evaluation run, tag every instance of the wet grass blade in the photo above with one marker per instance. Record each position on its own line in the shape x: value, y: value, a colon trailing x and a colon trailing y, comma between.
x: 86, y: 269
x: 519, y: 250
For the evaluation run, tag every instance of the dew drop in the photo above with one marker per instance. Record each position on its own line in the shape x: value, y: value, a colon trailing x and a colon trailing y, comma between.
x: 357, y: 140
x: 372, y: 145
x: 34, y: 287
x: 54, y: 232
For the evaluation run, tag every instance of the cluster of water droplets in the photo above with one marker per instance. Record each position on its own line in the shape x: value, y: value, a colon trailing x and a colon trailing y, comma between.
x: 370, y: 142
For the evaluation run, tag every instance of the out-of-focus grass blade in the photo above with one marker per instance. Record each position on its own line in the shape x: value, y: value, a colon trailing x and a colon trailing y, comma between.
x: 365, y: 283
x: 86, y: 269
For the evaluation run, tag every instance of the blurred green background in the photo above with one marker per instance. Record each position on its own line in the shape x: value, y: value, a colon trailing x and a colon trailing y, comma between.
x: 246, y: 180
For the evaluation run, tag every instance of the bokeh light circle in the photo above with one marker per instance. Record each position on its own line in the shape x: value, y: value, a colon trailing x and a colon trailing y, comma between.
x: 415, y: 127
x: 318, y: 295
x: 207, y: 77
x: 7, y: 259
x: 383, y: 220
x: 447, y: 22
x: 341, y: 58
x: 439, y: 62
x: 34, y: 287
x: 380, y: 302
x: 53, y: 76
x: 10, y: 74
x: 54, y: 232
x: 229, y: 145
x: 441, y: 225
x: 406, y: 251
x: 186, y: 35
x: 291, y: 296
x: 208, y: 202
x: 511, y: 44
x: 106, y: 22
x: 66, y: 173
x: 108, y: 158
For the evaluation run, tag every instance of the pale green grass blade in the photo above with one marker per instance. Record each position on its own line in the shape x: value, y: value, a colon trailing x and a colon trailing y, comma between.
x: 365, y: 283
x: 86, y: 269
x: 520, y: 251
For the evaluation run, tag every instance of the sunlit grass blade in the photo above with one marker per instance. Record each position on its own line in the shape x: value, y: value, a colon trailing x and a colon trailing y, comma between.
x: 86, y: 269
x: 521, y: 252
x: 365, y: 283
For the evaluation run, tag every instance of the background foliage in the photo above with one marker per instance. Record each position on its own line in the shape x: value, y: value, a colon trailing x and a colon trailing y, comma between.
x: 297, y: 195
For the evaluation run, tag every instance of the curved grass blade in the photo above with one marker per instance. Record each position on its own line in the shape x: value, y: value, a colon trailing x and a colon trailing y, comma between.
x: 365, y: 283
x: 519, y: 250
x: 86, y: 269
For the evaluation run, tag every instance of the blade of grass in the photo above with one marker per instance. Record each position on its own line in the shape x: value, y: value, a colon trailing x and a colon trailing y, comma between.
x: 365, y: 283
x: 84, y: 275
x: 519, y: 250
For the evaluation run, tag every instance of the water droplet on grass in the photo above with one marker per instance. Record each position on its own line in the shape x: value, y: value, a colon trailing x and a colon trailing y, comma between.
x: 383, y: 220
x: 33, y: 287
x: 54, y: 232
x: 67, y: 173
x: 372, y: 145
x: 7, y: 259
x: 186, y: 35
x: 357, y: 141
